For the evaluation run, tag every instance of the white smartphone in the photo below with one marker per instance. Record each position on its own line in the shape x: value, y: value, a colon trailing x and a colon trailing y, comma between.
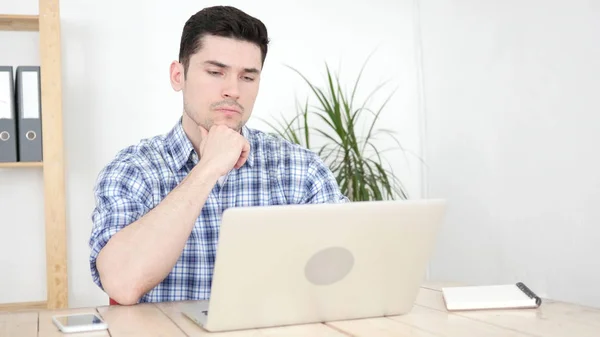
x: 79, y: 322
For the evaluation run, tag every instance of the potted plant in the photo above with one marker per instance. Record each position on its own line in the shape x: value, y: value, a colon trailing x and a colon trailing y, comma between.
x: 353, y: 157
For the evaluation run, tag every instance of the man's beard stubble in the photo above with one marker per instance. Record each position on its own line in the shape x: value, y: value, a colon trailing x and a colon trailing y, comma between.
x: 208, y: 122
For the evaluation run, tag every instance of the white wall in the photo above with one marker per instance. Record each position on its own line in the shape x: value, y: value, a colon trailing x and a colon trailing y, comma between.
x: 512, y: 102
x: 116, y: 90
x: 22, y: 259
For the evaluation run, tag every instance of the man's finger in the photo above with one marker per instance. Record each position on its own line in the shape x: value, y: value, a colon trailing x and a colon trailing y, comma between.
x: 243, y: 155
x: 203, y: 136
x: 203, y: 132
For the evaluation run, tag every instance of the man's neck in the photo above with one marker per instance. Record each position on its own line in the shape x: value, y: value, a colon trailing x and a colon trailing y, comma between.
x: 191, y: 131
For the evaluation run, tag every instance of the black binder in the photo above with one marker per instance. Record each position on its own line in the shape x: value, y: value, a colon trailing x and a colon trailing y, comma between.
x: 29, y: 107
x: 8, y: 118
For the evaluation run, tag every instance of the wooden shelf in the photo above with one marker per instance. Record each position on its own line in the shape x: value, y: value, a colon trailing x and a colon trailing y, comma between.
x: 19, y: 22
x: 21, y: 165
x: 47, y: 24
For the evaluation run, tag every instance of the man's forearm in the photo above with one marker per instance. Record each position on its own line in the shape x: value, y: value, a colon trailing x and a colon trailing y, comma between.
x: 142, y: 254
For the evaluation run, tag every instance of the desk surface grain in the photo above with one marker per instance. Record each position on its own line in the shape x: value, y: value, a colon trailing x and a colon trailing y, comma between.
x: 429, y: 318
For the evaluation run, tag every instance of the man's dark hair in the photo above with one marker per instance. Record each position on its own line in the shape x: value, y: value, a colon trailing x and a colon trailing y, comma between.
x: 224, y: 21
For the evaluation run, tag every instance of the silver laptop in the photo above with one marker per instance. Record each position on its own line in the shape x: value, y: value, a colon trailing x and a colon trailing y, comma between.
x: 296, y: 264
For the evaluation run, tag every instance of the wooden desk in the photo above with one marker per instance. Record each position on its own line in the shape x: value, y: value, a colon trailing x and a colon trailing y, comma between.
x: 428, y: 318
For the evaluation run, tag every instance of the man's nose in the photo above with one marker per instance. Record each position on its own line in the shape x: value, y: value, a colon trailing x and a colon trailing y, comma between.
x: 232, y: 88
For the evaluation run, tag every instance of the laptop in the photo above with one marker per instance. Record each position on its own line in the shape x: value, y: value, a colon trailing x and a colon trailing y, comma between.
x: 298, y: 264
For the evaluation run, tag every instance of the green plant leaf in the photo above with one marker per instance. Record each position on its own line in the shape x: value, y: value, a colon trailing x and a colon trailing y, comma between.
x: 357, y: 164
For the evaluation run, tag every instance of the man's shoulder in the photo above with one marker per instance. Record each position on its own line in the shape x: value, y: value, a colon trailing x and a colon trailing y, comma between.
x: 276, y: 147
x: 142, y: 157
x: 304, y: 175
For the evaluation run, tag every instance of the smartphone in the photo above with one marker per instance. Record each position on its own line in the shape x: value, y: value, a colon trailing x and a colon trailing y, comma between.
x: 79, y: 322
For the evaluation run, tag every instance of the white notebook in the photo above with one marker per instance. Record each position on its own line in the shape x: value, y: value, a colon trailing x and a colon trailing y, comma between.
x: 509, y: 296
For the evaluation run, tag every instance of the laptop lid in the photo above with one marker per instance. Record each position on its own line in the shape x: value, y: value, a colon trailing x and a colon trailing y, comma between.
x: 295, y: 264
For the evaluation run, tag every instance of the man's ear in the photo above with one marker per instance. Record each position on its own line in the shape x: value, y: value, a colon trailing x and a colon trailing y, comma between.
x: 177, y: 76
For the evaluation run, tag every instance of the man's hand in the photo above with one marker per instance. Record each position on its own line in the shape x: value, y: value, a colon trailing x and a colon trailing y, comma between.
x: 222, y: 149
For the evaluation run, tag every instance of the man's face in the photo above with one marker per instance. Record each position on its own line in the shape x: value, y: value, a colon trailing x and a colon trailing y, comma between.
x: 222, y: 82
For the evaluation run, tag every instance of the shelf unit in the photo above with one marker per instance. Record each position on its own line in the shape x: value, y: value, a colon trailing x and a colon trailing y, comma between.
x: 19, y: 22
x: 21, y: 165
x: 47, y: 23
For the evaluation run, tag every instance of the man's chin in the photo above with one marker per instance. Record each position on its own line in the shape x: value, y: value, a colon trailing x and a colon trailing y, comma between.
x: 230, y: 124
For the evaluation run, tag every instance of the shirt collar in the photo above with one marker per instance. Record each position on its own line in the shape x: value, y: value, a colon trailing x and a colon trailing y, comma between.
x: 248, y: 135
x: 179, y: 146
x: 182, y: 150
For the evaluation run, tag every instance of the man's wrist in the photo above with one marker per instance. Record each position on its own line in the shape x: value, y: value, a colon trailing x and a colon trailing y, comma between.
x: 206, y: 173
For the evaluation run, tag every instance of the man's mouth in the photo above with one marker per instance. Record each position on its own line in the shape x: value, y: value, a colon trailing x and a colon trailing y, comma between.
x: 228, y: 110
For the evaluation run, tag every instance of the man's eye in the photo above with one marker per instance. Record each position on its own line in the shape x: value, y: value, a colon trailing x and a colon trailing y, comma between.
x: 249, y: 79
x: 213, y: 72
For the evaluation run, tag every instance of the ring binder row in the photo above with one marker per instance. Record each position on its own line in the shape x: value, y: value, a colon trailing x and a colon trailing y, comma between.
x: 20, y: 114
x: 530, y: 293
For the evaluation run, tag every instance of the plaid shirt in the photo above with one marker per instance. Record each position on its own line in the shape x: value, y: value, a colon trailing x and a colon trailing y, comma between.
x: 137, y: 180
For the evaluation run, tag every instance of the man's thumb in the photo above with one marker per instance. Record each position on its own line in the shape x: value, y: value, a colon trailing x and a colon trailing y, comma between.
x: 203, y: 132
x: 203, y: 137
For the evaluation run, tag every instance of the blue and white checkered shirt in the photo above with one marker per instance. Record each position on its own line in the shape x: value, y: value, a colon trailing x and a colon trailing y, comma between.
x: 137, y: 180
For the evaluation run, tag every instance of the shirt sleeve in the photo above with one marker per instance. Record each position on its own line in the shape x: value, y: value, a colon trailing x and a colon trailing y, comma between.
x: 121, y: 196
x: 321, y: 184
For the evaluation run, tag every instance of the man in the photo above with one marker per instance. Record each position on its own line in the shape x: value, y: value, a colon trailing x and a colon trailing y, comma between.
x: 159, y: 203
